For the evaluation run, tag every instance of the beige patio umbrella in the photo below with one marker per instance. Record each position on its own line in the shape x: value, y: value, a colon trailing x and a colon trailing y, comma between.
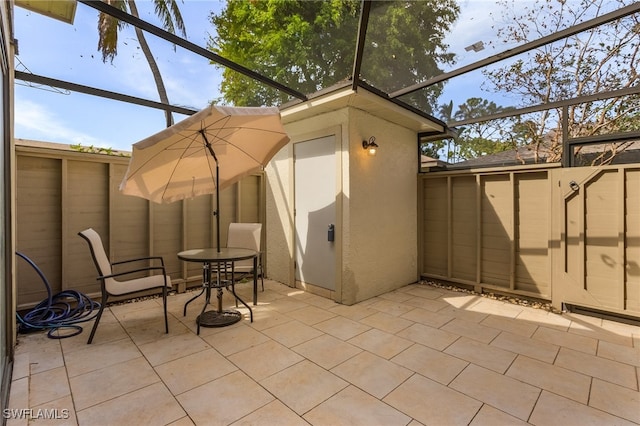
x: 204, y: 153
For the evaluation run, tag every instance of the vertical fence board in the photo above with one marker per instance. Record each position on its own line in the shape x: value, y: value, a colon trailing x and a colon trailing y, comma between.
x: 38, y: 190
x: 61, y: 192
x: 632, y: 240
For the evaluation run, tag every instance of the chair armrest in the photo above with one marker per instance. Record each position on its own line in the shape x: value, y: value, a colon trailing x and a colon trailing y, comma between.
x: 150, y: 268
x: 139, y: 259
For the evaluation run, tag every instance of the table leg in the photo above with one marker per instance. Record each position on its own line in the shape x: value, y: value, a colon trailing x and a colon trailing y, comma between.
x: 219, y: 317
x: 255, y: 281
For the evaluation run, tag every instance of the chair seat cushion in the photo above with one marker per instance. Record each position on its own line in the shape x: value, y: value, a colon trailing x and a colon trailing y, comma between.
x: 118, y: 288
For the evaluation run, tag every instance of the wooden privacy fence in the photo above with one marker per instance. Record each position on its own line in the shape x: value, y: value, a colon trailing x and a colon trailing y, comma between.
x: 566, y: 235
x: 60, y: 192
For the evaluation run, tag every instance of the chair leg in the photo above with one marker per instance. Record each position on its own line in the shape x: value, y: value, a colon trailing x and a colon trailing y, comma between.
x: 262, y: 279
x: 164, y: 301
x: 97, y: 320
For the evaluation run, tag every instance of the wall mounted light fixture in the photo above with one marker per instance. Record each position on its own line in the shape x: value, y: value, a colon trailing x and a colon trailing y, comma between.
x: 370, y: 146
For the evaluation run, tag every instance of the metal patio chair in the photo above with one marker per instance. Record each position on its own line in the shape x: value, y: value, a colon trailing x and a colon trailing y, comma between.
x: 109, y: 284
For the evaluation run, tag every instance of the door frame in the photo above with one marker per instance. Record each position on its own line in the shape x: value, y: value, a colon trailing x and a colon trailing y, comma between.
x: 340, y: 151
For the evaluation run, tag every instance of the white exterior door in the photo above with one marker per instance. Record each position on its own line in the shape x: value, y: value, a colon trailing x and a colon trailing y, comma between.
x: 315, y: 211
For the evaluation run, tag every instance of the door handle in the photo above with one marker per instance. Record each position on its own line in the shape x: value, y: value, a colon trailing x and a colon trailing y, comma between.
x: 331, y: 233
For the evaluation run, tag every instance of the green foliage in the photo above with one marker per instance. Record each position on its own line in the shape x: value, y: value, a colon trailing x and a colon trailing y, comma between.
x: 310, y: 45
x: 97, y: 150
x: 483, y: 138
x: 595, y: 61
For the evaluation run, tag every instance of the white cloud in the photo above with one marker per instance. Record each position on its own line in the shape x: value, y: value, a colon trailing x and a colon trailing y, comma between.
x: 34, y: 121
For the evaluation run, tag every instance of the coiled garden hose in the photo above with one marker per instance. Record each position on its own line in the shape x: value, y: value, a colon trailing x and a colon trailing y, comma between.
x: 63, y: 310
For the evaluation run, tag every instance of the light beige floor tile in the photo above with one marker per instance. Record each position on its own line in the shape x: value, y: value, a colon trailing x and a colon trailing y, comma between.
x: 552, y: 409
x: 48, y: 386
x: 311, y: 315
x: 339, y: 409
x: 97, y: 356
x: 397, y: 296
x: 486, y: 356
x: 567, y: 340
x: 18, y: 400
x: 591, y: 365
x: 327, y: 351
x: 430, y: 363
x: 432, y: 305
x: 354, y: 312
x: 263, y: 360
x: 303, y: 386
x: 544, y: 318
x: 532, y: 348
x: 489, y: 416
x: 59, y: 413
x: 342, y: 328
x: 101, y: 385
x: 390, y: 307
x: 292, y: 333
x: 44, y: 353
x: 184, y: 421
x: 381, y: 343
x: 286, y: 304
x: 154, y: 330
x: 225, y: 400
x: 514, y: 326
x: 386, y: 322
x: 616, y: 400
x: 599, y: 333
x: 20, y: 366
x: 432, y: 319
x: 191, y: 371
x: 150, y: 405
x: 432, y: 403
x: 498, y: 308
x: 235, y: 339
x: 465, y: 314
x: 504, y: 393
x: 423, y: 291
x: 137, y: 312
x: 372, y: 373
x: 267, y: 318
x: 620, y: 353
x: 471, y: 330
x: 555, y: 379
x: 620, y: 328
x: 173, y: 347
x: 460, y: 300
x: 105, y: 333
x: 428, y: 336
x: 274, y: 413
x: 318, y: 301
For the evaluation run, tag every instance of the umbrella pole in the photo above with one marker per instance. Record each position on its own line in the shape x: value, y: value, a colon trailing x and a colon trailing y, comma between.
x: 217, y: 212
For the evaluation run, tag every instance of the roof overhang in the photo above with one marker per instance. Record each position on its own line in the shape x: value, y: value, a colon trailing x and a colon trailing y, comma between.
x: 62, y: 10
x: 361, y: 99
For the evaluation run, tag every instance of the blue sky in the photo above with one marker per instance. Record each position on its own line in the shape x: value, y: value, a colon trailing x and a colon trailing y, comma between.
x: 67, y: 52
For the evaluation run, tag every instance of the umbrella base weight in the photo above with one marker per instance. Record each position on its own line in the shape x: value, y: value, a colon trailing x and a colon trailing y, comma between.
x: 219, y: 319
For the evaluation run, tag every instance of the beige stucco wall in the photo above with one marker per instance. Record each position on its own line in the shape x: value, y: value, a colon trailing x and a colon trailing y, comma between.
x: 279, y: 194
x: 380, y: 247
x: 376, y: 199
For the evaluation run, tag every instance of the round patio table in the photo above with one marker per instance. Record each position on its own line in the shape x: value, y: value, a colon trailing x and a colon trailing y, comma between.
x: 219, y: 260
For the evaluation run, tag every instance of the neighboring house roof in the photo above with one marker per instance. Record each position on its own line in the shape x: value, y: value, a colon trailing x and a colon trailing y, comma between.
x: 526, y: 155
x: 521, y: 155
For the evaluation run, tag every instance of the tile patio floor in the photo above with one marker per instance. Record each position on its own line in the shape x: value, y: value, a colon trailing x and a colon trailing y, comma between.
x: 418, y: 355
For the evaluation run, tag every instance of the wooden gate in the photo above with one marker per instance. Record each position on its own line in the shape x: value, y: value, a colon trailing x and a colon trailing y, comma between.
x: 598, y: 266
x: 567, y: 235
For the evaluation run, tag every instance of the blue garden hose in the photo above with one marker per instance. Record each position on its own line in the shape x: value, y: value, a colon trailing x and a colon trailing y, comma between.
x: 63, y: 310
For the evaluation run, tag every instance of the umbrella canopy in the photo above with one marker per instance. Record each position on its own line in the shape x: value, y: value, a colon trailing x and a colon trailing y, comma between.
x: 182, y: 160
